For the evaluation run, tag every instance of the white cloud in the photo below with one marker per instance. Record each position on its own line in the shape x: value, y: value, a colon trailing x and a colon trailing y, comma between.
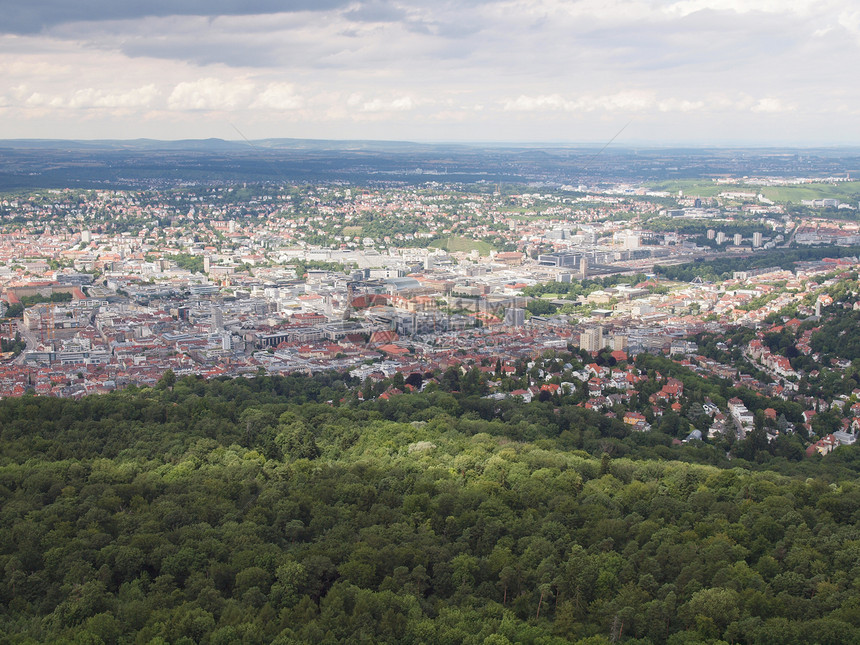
x: 35, y: 68
x: 400, y: 104
x: 643, y: 101
x: 40, y: 100
x: 550, y: 14
x: 20, y: 92
x: 210, y: 94
x: 850, y: 21
x: 140, y: 97
x: 278, y: 96
x: 771, y: 105
x: 540, y: 103
x: 623, y: 101
x: 626, y: 101
x: 680, y: 105
x: 686, y: 7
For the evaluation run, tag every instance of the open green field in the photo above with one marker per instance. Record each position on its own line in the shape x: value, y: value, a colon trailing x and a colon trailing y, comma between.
x: 847, y: 191
x: 692, y: 187
x: 462, y: 244
x: 352, y: 230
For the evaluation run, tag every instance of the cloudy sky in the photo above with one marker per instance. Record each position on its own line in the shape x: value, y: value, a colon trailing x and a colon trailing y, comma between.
x: 671, y: 71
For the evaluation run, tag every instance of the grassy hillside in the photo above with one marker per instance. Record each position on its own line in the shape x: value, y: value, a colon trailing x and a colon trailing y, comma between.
x: 462, y: 244
x: 846, y: 191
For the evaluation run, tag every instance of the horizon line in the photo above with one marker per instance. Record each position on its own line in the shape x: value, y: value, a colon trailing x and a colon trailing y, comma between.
x: 465, y: 143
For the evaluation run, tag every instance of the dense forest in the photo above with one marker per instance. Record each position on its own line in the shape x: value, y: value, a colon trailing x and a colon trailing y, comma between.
x: 286, y: 510
x: 839, y: 337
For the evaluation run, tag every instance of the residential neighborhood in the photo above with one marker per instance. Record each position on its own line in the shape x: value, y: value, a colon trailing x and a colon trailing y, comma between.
x: 106, y: 289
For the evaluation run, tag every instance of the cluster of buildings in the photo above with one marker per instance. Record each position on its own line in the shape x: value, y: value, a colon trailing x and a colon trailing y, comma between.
x: 116, y: 287
x: 816, y: 232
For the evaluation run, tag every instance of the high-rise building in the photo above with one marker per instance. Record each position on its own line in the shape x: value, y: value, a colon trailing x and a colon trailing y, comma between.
x: 711, y: 234
x: 631, y: 240
x: 515, y: 317
x: 756, y: 239
x: 738, y: 239
x: 217, y: 318
x: 618, y: 343
x: 721, y: 237
x: 591, y: 340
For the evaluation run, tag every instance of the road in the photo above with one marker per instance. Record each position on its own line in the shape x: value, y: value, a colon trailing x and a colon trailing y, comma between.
x: 29, y: 338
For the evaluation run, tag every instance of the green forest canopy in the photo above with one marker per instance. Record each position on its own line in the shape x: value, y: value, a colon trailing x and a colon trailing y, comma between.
x: 254, y: 511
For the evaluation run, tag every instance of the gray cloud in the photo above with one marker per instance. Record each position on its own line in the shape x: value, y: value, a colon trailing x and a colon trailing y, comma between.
x: 211, y: 52
x: 432, y: 68
x: 23, y: 17
x: 302, y: 41
x: 376, y: 11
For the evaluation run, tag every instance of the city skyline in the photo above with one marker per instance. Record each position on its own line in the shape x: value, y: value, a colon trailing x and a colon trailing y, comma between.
x: 707, y: 72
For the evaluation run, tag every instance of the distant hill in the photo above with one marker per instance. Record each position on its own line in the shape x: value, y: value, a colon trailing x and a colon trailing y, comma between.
x: 46, y: 163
